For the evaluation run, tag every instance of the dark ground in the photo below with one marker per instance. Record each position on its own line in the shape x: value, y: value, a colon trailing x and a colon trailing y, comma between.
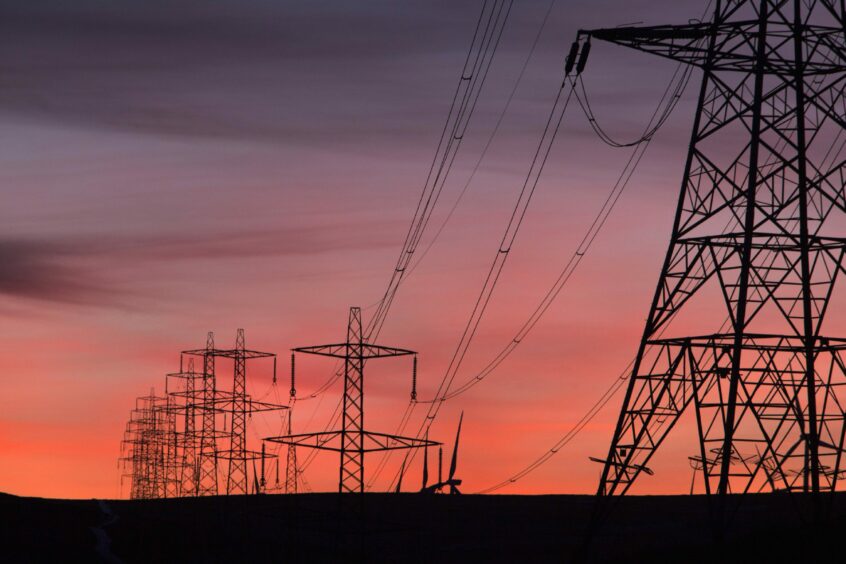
x: 415, y: 528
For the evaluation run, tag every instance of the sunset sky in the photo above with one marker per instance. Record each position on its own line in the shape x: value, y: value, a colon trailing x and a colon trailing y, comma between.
x: 170, y: 169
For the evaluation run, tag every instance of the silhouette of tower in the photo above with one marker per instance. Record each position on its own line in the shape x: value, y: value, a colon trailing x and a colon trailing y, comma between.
x: 291, y: 464
x: 238, y: 405
x: 757, y: 245
x: 236, y: 481
x: 169, y: 438
x: 184, y: 402
x: 168, y: 462
x: 147, y: 447
x: 352, y: 441
x: 207, y: 482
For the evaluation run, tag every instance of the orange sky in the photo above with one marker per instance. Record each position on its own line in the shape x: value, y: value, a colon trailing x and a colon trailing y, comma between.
x: 168, y: 180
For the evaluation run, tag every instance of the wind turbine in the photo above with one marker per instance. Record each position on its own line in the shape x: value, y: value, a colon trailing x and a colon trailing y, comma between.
x: 451, y: 482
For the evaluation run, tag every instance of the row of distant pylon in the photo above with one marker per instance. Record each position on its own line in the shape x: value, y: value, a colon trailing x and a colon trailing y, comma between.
x: 175, y: 446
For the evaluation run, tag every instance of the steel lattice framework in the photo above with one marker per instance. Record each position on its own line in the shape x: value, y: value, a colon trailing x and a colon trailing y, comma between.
x: 165, y: 453
x: 758, y: 229
x: 149, y: 449
x: 239, y: 406
x: 207, y: 481
x: 236, y: 481
x: 352, y: 441
x: 189, y: 435
x: 291, y: 470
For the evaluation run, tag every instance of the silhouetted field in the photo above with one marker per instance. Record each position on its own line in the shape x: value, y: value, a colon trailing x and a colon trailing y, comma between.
x: 414, y: 528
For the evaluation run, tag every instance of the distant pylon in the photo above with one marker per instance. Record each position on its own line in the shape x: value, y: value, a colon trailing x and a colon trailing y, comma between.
x: 352, y: 441
x: 236, y: 481
x: 237, y: 405
x: 190, y: 470
x: 169, y: 462
x: 147, y: 449
x: 352, y: 431
x: 207, y: 483
x: 291, y: 463
x: 170, y: 439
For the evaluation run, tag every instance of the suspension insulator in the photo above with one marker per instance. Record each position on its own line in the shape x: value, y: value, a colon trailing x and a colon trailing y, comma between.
x: 583, y: 57
x: 571, y: 58
x: 414, y: 380
x: 293, y: 377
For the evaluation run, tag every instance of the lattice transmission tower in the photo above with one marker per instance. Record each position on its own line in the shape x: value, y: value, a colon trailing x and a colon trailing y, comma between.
x: 207, y: 460
x: 187, y: 400
x: 163, y: 451
x: 291, y: 470
x: 238, y: 406
x: 352, y: 441
x: 757, y: 245
x: 149, y: 449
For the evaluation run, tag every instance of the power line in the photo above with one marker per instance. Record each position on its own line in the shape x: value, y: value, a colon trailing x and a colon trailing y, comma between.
x: 666, y: 104
x: 588, y: 238
x: 521, y: 206
x: 467, y: 94
x: 410, y: 409
x: 491, y: 137
x: 477, y: 63
x: 547, y: 139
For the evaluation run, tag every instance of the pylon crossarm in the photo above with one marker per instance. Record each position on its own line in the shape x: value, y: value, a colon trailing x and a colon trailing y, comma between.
x: 228, y: 353
x: 338, y: 350
x: 246, y: 354
x: 735, y: 45
x: 224, y: 405
x: 382, y: 441
x: 373, y: 442
x: 319, y: 441
x: 758, y: 341
x: 341, y: 350
x: 681, y: 43
x: 219, y: 403
x: 376, y: 351
x: 245, y: 455
x: 261, y: 406
x: 210, y: 352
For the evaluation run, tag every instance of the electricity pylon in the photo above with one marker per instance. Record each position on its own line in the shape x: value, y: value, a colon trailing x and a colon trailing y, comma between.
x: 352, y: 441
x: 757, y: 244
x: 149, y: 447
x: 239, y: 406
x: 190, y: 396
x: 207, y: 463
x: 291, y: 472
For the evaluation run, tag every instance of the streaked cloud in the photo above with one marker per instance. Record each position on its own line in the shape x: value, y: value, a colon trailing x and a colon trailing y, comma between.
x: 74, y: 271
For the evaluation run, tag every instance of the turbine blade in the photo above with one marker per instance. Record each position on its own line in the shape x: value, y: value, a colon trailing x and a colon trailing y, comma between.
x: 455, y: 448
x: 426, y: 462
x: 399, y: 481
